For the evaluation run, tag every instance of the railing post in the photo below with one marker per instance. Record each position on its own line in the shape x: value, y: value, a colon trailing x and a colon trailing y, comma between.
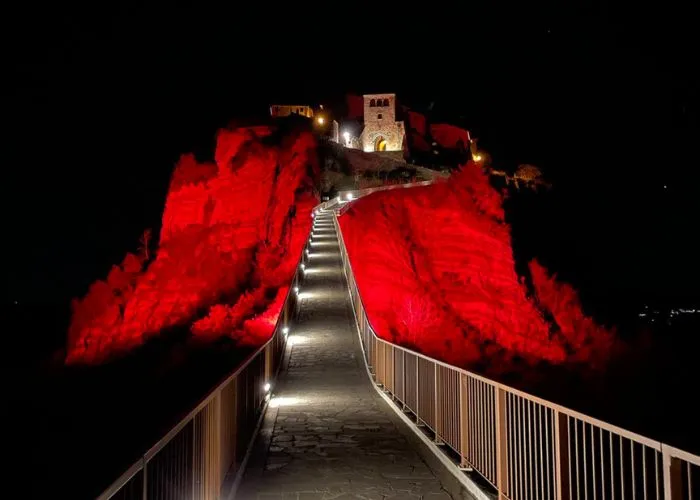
x: 217, y: 443
x: 438, y: 412
x: 403, y: 378
x: 673, y: 488
x: 561, y: 455
x: 145, y: 478
x: 268, y: 364
x: 234, y: 423
x: 501, y: 443
x: 389, y: 369
x: 417, y: 410
x: 194, y: 456
x: 463, y: 421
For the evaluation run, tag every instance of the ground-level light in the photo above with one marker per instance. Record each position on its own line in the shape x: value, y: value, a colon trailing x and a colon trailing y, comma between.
x: 285, y: 330
x: 320, y: 120
x: 348, y: 196
x: 296, y: 289
x: 477, y: 157
x: 267, y: 387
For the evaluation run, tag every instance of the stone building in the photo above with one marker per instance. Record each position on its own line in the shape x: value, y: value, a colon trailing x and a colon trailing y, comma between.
x: 381, y: 131
x: 280, y: 110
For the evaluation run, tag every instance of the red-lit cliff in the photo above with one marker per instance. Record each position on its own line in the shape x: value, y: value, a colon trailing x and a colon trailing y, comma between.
x: 231, y: 236
x: 436, y: 272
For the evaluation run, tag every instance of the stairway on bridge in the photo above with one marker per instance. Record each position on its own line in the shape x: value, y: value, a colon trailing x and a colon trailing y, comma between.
x: 327, y: 433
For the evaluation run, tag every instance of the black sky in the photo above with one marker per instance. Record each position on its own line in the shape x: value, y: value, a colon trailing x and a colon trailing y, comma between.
x: 103, y: 100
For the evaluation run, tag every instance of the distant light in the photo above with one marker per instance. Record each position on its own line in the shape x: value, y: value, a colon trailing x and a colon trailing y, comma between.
x: 346, y: 136
x: 665, y: 186
x: 285, y: 330
x: 348, y: 196
x: 321, y: 120
x: 477, y: 157
x: 267, y: 387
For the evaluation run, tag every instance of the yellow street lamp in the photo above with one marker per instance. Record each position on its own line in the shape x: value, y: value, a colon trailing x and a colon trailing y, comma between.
x: 477, y: 157
x: 320, y: 120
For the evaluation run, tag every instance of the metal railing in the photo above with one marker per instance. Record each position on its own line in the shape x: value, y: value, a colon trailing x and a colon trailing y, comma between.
x: 524, y: 446
x: 207, y: 447
x: 351, y: 194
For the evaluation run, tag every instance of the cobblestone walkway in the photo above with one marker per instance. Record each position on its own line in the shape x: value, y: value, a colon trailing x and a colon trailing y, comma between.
x: 329, y: 435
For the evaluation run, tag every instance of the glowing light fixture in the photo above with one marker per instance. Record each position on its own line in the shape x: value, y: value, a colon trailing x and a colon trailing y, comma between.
x: 320, y: 120
x: 296, y: 289
x: 285, y: 330
x: 277, y: 402
x: 267, y: 387
x: 303, y: 266
x: 478, y: 157
x: 348, y: 196
x: 297, y: 340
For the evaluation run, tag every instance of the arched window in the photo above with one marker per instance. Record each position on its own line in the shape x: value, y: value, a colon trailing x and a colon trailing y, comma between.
x: 372, y: 103
x: 386, y: 102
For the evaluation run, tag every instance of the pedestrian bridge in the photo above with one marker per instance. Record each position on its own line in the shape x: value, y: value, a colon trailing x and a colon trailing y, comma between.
x: 327, y: 410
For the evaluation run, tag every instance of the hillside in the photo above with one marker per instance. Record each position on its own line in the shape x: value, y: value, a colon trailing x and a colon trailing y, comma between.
x: 231, y: 236
x: 436, y: 270
x: 345, y: 168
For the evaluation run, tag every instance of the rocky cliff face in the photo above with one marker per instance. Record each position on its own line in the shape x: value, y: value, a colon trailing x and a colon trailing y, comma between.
x: 231, y: 237
x: 436, y: 271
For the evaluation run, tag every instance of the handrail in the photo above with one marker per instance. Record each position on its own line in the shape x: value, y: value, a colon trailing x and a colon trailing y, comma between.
x: 205, y: 444
x: 525, y: 447
x: 351, y: 194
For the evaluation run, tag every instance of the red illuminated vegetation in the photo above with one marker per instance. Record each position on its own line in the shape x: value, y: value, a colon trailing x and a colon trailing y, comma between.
x: 231, y: 236
x: 436, y: 273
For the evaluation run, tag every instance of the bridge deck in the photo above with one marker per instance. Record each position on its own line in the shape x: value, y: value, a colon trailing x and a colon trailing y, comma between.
x: 327, y: 433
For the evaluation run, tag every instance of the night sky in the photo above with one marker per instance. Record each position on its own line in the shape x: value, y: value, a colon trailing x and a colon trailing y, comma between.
x: 103, y: 101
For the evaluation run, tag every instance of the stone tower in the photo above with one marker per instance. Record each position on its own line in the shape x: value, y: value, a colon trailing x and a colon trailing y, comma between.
x: 381, y: 130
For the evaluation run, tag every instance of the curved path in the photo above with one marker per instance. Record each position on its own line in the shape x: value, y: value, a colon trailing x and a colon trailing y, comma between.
x: 327, y: 433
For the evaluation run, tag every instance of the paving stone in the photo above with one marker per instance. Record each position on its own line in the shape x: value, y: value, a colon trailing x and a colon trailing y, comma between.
x: 340, y: 442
